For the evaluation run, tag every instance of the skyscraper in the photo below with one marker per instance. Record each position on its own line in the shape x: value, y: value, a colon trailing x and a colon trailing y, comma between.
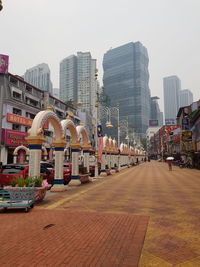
x: 172, y: 87
x: 156, y: 114
x: 126, y: 81
x: 68, y: 79
x: 186, y: 98
x: 77, y: 79
x: 39, y: 76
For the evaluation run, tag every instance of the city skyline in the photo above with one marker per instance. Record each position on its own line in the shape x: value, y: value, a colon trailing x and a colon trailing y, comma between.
x: 170, y: 42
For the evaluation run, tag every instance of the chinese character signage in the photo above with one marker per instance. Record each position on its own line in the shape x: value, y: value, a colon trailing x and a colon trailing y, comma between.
x: 4, y: 64
x: 22, y: 120
x: 19, y: 120
x: 153, y: 123
x: 186, y: 136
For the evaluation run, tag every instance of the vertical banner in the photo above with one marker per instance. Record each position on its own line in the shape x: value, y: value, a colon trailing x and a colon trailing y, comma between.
x: 4, y: 64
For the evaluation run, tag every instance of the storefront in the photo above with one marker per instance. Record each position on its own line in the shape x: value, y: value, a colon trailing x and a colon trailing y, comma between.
x: 12, y: 139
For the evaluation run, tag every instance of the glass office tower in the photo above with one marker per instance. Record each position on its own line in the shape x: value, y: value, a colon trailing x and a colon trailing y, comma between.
x: 126, y: 81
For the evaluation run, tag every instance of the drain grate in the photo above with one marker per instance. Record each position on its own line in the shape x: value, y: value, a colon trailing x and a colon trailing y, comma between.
x: 48, y: 226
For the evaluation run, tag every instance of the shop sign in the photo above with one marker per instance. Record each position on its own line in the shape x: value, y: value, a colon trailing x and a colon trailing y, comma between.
x: 153, y: 123
x: 19, y: 119
x: 186, y: 136
x: 14, y: 138
x: 22, y: 120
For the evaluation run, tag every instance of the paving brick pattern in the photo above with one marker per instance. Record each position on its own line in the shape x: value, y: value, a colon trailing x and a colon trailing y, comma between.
x: 171, y: 199
x: 62, y: 238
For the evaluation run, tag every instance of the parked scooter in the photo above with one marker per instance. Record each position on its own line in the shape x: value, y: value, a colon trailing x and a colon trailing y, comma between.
x: 186, y: 164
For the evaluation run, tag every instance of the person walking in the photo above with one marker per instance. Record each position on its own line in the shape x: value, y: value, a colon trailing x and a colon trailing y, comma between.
x: 169, y: 162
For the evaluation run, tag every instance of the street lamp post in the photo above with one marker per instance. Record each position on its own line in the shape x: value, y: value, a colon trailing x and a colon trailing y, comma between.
x: 110, y: 112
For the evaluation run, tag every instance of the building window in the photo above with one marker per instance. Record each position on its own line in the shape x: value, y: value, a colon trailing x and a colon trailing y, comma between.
x: 16, y: 127
x: 30, y: 115
x: 29, y: 89
x: 17, y: 111
x: 27, y: 128
x: 17, y: 95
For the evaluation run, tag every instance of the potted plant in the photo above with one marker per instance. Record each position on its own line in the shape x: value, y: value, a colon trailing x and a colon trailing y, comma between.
x: 84, y: 174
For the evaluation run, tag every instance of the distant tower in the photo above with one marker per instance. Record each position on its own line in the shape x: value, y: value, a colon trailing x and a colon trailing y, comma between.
x: 172, y: 87
x: 126, y: 81
x: 56, y: 93
x: 186, y: 98
x: 77, y: 79
x: 68, y: 79
x: 39, y: 76
x: 156, y: 114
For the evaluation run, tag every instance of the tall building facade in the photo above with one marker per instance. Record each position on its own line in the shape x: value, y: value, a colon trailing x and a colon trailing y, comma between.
x: 68, y: 79
x: 77, y: 79
x: 156, y: 114
x: 172, y: 87
x: 126, y: 81
x: 186, y: 98
x: 40, y: 77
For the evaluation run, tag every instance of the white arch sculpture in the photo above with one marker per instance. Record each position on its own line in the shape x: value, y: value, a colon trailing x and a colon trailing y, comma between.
x: 85, y: 146
x: 36, y: 139
x: 15, y: 153
x: 75, y: 148
x: 104, y: 156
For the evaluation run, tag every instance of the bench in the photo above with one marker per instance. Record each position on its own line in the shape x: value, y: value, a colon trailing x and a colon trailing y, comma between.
x: 17, y: 198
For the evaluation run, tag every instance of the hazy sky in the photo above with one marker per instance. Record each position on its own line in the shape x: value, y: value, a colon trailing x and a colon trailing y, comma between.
x: 37, y: 31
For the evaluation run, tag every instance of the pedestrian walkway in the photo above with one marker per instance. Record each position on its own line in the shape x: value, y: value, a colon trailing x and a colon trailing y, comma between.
x: 169, y: 198
x: 62, y: 238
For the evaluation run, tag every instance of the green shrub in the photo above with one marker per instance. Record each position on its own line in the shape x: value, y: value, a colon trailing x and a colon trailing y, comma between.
x: 13, y: 182
x: 20, y: 182
x: 38, y: 181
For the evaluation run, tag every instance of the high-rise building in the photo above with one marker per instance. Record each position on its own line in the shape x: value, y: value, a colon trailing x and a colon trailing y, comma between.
x: 77, y: 79
x: 156, y: 114
x: 86, y: 84
x: 126, y: 81
x: 172, y: 87
x: 39, y: 76
x: 68, y: 79
x: 56, y: 92
x: 186, y: 98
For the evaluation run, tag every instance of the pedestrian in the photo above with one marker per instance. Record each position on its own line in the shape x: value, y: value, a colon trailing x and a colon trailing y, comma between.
x: 169, y: 162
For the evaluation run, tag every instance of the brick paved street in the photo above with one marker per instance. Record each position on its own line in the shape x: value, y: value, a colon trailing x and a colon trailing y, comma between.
x: 171, y: 199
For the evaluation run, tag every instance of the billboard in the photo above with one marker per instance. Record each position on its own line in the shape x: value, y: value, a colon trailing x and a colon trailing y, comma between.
x: 4, y: 64
x: 170, y: 122
x: 153, y: 123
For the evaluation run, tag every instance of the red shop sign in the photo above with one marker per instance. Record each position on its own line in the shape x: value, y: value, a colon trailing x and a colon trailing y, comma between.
x: 14, y: 138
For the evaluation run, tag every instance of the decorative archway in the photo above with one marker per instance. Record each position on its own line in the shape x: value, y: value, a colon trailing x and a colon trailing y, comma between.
x: 75, y: 148
x: 15, y: 153
x: 44, y: 153
x: 36, y: 139
x: 85, y: 145
x: 115, y: 155
x: 104, y: 156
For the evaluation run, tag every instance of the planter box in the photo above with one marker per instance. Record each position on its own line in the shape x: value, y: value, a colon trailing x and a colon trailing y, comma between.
x: 84, y: 178
x: 40, y: 193
x: 108, y: 172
